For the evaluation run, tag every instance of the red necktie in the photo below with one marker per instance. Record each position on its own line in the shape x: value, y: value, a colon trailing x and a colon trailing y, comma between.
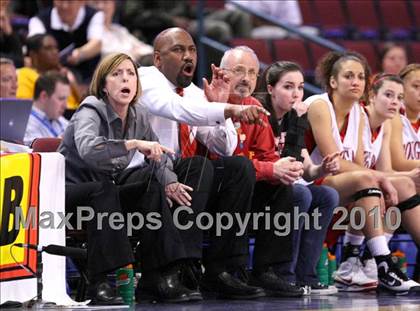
x: 188, y: 148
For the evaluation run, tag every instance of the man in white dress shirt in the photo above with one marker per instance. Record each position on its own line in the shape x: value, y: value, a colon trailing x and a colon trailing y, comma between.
x: 50, y: 101
x: 174, y: 101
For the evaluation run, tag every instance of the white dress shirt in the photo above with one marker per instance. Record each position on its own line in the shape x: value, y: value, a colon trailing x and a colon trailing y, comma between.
x: 122, y: 41
x: 285, y: 11
x: 40, y: 126
x: 94, y: 31
x: 168, y: 108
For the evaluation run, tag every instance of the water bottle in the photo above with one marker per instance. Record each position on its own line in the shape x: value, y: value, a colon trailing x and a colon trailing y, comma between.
x: 332, y: 267
x: 125, y: 284
x: 322, y: 267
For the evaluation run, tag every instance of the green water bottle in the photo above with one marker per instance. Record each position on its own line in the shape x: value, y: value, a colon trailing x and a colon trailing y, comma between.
x: 322, y: 267
x: 125, y: 284
x: 332, y: 267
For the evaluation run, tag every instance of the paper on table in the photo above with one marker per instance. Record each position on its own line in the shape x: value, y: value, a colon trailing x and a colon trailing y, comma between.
x: 6, y: 146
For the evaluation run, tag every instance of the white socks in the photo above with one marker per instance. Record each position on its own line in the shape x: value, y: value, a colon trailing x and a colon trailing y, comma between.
x: 353, y: 239
x: 378, y: 246
x: 388, y: 236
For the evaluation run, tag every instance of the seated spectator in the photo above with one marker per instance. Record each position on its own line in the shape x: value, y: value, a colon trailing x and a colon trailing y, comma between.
x: 152, y: 17
x: 8, y: 79
x: 122, y: 40
x: 10, y: 45
x: 287, y: 12
x: 72, y: 23
x: 50, y: 101
x: 393, y: 58
x: 43, y: 54
x: 281, y: 93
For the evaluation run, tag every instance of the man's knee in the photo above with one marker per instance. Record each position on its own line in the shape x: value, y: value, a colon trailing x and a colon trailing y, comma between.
x: 241, y: 167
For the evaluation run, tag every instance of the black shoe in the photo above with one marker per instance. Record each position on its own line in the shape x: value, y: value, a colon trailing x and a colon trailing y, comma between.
x: 165, y: 287
x: 103, y: 294
x: 350, y: 250
x: 274, y: 285
x: 191, y: 275
x: 228, y: 286
x: 392, y: 279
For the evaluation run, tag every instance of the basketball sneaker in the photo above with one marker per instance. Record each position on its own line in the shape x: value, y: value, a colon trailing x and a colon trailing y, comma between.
x: 350, y: 277
x: 370, y: 268
x: 392, y: 279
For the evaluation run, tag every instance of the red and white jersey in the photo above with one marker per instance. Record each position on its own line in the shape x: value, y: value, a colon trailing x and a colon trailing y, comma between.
x: 411, y: 139
x: 347, y: 142
x: 372, y: 149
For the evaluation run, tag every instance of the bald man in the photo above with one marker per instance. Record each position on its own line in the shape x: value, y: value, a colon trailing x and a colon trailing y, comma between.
x: 176, y: 64
x: 180, y: 109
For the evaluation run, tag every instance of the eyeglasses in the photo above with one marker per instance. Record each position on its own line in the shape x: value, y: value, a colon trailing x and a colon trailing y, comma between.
x: 241, y: 71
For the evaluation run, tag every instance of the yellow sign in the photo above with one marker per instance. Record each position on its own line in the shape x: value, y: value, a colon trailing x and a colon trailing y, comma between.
x: 19, y: 210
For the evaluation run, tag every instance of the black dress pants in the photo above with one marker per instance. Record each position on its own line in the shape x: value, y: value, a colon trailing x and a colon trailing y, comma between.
x: 109, y: 248
x: 271, y: 248
x: 233, y: 186
x: 196, y: 172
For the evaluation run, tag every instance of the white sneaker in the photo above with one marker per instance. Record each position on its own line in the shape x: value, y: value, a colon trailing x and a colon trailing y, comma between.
x: 323, y: 290
x: 306, y: 290
x: 350, y: 277
x: 370, y: 269
x: 393, y: 279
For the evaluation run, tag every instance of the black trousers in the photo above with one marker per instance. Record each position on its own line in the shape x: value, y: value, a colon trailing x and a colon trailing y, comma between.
x: 109, y: 248
x: 196, y: 172
x: 271, y: 248
x: 233, y: 186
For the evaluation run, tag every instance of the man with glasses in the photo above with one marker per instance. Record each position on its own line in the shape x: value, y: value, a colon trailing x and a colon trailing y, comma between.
x: 274, y: 176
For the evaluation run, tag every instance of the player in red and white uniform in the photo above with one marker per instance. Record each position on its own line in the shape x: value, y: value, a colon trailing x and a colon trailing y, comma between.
x: 385, y: 100
x: 405, y: 147
x: 337, y: 123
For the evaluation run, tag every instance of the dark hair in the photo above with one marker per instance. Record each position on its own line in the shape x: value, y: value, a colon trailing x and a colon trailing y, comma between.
x: 329, y: 66
x: 47, y: 83
x: 34, y: 43
x: 379, y: 79
x: 387, y: 47
x: 271, y: 76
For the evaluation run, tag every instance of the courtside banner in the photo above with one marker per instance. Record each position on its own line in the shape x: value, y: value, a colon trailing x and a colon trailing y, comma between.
x: 19, y: 214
